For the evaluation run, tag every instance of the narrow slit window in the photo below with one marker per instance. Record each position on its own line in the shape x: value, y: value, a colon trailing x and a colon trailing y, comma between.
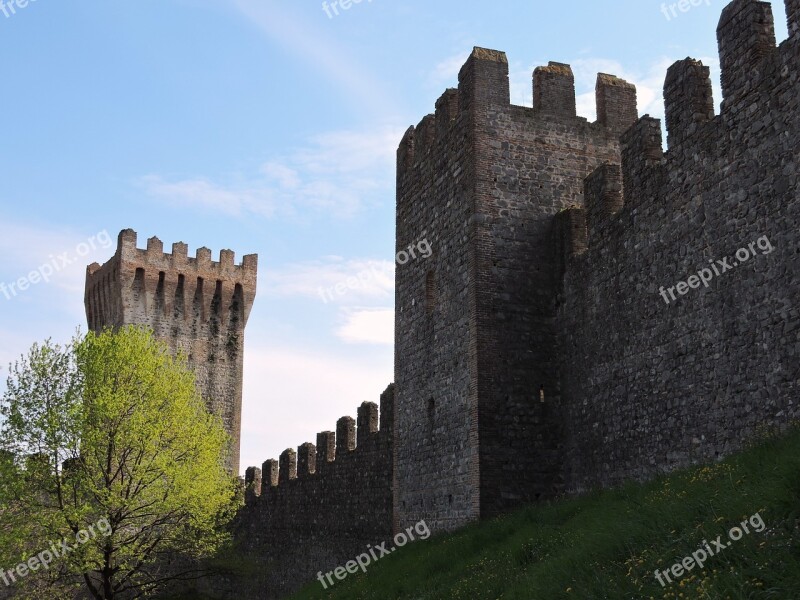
x: 431, y: 292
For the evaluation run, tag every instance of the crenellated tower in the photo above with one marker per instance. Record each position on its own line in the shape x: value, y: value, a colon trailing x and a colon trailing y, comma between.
x: 478, y: 425
x: 195, y: 305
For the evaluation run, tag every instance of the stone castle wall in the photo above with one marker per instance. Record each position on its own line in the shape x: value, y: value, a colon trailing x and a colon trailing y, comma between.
x: 649, y: 386
x: 320, y: 507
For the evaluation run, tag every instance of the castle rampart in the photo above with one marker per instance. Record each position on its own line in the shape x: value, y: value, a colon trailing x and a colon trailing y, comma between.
x: 319, y: 507
x: 650, y: 385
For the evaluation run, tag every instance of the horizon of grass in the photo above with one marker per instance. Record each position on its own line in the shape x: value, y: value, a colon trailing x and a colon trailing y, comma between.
x: 608, y: 543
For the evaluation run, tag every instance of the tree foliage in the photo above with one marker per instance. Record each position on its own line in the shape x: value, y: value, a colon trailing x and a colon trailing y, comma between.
x: 107, y: 444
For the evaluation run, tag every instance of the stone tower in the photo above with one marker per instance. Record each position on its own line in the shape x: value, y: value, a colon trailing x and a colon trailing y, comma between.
x: 193, y: 304
x: 476, y: 364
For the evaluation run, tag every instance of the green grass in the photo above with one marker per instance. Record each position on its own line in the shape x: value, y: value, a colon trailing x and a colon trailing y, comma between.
x: 608, y: 544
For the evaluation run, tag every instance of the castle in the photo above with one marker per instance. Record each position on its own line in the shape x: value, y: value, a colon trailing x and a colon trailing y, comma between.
x: 596, y: 309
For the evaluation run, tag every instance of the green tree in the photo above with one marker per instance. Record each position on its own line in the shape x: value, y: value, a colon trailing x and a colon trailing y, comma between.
x: 107, y: 445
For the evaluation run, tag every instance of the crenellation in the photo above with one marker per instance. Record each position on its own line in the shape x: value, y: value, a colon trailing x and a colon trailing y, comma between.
x: 194, y: 305
x: 126, y: 241
x: 553, y: 333
x: 367, y: 422
x: 250, y: 265
x: 203, y: 259
x: 306, y: 460
x: 253, y: 483
x: 725, y: 182
x: 326, y: 448
x: 488, y: 192
x: 483, y: 80
x: 226, y: 258
x: 288, y: 466
x: 616, y: 103
x: 324, y: 516
x: 425, y: 136
x: 405, y: 153
x: 345, y: 436
x: 180, y: 253
x: 387, y: 411
x: 270, y: 475
x: 688, y: 100
x: 315, y: 459
x: 746, y: 36
x: 155, y: 249
x: 92, y: 268
x: 554, y: 90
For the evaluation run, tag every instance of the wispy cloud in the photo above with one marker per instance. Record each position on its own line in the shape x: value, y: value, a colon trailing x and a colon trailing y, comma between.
x: 199, y: 192
x: 375, y: 279
x: 367, y: 326
x: 26, y: 248
x: 315, y: 47
x: 361, y: 291
x: 335, y: 174
x: 445, y: 72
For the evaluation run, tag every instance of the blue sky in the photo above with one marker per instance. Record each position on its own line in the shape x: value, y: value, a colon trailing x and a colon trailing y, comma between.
x: 267, y: 127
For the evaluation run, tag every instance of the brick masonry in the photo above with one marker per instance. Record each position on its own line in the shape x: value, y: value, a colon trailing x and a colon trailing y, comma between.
x: 195, y: 305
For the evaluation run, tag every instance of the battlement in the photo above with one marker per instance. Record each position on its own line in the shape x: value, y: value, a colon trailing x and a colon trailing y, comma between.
x: 634, y: 332
x: 688, y: 99
x: 616, y: 102
x: 179, y: 260
x: 746, y: 36
x: 554, y: 90
x: 484, y: 177
x: 757, y: 80
x: 173, y: 286
x: 572, y: 309
x: 334, y: 453
x: 483, y: 86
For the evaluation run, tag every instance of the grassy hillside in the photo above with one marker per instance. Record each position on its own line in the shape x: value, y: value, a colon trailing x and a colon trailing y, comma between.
x: 608, y: 544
